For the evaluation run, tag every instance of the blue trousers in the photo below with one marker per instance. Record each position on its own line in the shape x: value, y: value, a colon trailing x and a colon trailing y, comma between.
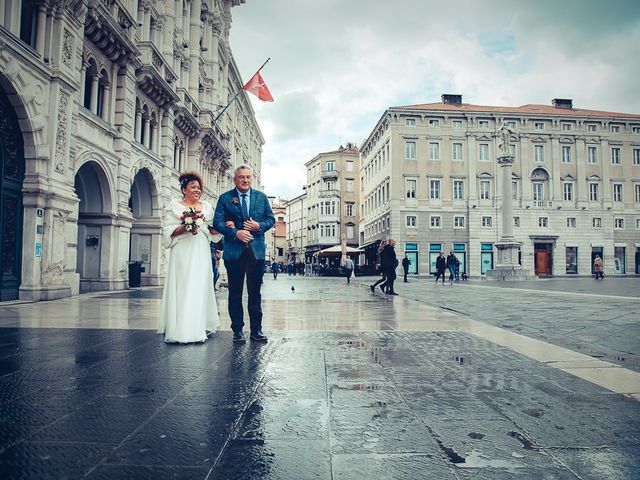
x: 252, y: 269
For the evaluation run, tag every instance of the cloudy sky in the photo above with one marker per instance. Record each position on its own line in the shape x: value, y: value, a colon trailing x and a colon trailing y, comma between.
x: 336, y: 65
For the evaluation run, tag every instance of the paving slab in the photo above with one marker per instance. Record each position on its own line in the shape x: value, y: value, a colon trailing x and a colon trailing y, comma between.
x: 351, y: 385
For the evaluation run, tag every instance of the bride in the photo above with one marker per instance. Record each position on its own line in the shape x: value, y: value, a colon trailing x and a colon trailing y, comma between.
x: 189, y: 311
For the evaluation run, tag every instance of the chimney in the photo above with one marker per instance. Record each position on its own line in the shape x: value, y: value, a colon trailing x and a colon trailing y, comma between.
x: 451, y: 99
x: 562, y: 103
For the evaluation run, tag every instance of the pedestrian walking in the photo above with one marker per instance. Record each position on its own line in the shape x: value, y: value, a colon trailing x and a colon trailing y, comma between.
x: 390, y: 262
x: 275, y: 269
x: 451, y: 265
x: 441, y: 266
x: 598, y: 267
x: 383, y: 273
x: 348, y: 268
x: 405, y: 266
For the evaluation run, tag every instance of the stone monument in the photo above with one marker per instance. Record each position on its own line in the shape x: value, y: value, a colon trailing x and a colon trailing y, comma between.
x: 507, y: 267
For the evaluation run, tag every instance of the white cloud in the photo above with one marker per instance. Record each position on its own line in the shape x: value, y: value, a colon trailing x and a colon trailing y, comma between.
x: 337, y: 65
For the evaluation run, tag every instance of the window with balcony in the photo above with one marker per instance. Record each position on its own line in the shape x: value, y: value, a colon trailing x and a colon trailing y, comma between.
x: 434, y: 189
x: 435, y: 221
x: 617, y: 192
x: 456, y: 153
x: 537, y: 191
x: 458, y: 189
x: 410, y: 150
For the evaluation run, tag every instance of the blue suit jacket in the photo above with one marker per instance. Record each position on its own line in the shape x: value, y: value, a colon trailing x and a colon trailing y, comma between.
x: 229, y: 209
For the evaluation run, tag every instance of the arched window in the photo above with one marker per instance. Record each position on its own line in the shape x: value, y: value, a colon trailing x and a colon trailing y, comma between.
x: 137, y: 125
x: 103, y: 95
x: 145, y: 126
x: 92, y: 72
x: 153, y: 132
x: 28, y: 21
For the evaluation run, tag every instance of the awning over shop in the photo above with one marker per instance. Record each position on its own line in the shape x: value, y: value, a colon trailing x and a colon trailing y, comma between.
x: 337, y: 250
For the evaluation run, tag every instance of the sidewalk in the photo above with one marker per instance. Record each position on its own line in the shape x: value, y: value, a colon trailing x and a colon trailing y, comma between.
x: 351, y: 385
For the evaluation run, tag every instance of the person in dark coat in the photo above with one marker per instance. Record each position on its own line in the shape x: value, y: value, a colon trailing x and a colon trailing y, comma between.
x: 390, y: 262
x: 382, y: 280
x: 405, y: 267
x: 441, y: 266
x: 452, y: 261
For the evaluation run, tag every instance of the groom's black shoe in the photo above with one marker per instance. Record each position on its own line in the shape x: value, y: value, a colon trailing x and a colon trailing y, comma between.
x: 238, y: 338
x: 258, y: 337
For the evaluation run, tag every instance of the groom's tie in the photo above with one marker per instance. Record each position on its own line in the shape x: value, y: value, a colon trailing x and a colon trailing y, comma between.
x: 245, y: 210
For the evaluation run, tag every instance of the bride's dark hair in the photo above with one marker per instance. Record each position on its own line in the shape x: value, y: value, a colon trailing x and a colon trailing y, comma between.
x: 187, y: 177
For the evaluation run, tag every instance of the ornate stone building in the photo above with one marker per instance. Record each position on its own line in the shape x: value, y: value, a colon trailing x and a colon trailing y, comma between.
x: 430, y: 181
x: 102, y: 104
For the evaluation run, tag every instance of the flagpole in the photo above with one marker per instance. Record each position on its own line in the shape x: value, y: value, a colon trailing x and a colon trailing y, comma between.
x: 236, y: 95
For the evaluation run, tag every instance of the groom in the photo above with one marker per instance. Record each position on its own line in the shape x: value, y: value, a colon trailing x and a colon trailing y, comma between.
x: 244, y: 249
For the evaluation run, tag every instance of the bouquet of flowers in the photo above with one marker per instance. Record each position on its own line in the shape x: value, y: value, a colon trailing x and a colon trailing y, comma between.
x: 192, y: 219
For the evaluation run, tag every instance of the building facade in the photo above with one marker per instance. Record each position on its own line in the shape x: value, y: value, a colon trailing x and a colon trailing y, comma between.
x: 430, y: 181
x: 276, y: 248
x: 296, y: 228
x: 332, y: 195
x: 102, y: 104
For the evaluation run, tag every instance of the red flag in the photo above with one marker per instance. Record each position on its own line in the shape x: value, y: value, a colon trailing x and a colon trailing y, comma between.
x: 257, y: 86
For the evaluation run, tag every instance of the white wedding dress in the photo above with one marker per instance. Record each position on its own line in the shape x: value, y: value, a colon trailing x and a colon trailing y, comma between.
x: 189, y: 310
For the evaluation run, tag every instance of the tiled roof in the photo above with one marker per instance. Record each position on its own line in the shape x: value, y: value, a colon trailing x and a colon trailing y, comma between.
x: 529, y: 109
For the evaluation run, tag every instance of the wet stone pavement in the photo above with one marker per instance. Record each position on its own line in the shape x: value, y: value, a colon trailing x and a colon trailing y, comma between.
x: 350, y: 386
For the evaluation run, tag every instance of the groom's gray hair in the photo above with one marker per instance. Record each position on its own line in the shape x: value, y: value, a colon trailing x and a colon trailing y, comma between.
x: 242, y: 167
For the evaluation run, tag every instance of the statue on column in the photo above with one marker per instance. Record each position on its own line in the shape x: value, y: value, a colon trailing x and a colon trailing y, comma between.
x: 505, y: 139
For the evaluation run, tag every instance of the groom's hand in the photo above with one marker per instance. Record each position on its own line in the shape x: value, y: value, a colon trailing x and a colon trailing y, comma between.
x: 244, y: 236
x: 251, y: 225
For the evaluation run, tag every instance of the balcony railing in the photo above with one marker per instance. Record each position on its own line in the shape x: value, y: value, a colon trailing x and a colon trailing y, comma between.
x: 327, y: 174
x: 329, y: 193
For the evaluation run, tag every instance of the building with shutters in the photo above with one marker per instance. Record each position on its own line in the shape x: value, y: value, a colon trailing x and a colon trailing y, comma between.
x: 429, y: 179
